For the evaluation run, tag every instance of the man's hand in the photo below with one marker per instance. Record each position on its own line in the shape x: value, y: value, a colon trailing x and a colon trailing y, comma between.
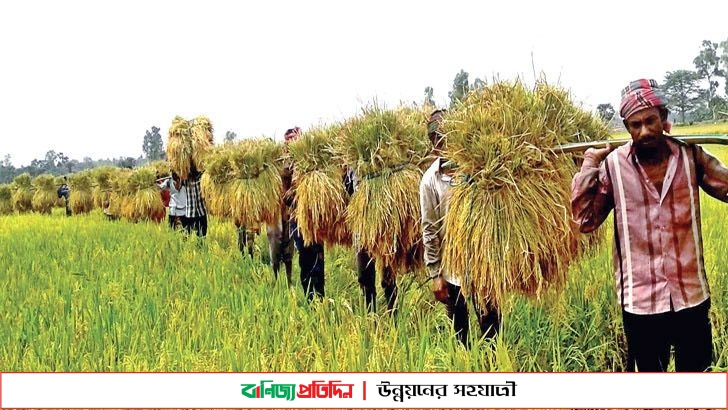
x: 439, y: 288
x: 593, y: 156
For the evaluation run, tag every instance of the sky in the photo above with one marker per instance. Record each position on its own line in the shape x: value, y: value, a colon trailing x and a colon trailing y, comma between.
x: 88, y: 78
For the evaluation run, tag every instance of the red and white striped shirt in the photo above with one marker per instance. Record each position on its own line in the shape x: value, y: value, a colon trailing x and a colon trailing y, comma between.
x: 659, y: 260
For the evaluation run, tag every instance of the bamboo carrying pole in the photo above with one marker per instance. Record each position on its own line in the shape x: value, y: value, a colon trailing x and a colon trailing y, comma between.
x: 721, y: 139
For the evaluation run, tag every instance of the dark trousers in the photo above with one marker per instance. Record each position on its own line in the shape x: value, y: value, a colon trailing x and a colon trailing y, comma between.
x: 367, y: 270
x: 176, y: 222
x: 311, y: 262
x: 198, y: 224
x: 246, y: 240
x: 457, y: 310
x: 649, y: 338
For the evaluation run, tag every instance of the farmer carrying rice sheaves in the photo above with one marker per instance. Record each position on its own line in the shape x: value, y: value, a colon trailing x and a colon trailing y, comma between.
x: 434, y: 192
x: 652, y: 185
x: 310, y: 257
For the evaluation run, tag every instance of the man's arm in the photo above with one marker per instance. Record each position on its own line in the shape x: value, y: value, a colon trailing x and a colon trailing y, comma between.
x: 431, y: 225
x: 714, y: 175
x: 591, y: 191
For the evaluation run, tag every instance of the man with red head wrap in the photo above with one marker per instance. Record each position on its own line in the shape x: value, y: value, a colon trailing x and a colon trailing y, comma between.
x: 652, y: 183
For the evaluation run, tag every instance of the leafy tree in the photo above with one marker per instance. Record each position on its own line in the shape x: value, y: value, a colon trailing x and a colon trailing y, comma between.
x: 460, y: 87
x: 724, y: 62
x: 429, y: 93
x: 478, y: 84
x: 606, y: 112
x: 682, y: 91
x: 230, y: 136
x: 707, y: 65
x: 127, y: 162
x: 152, y: 146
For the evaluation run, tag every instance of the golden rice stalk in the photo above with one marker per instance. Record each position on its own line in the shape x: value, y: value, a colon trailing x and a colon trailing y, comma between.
x: 321, y: 197
x: 320, y: 211
x: 256, y: 192
x: 201, y: 134
x: 384, y: 215
x: 22, y: 197
x: 381, y: 139
x: 384, y: 148
x: 145, y: 200
x: 215, y: 183
x: 45, y: 195
x: 508, y: 224
x: 81, y: 198
x: 179, y: 147
x: 571, y: 123
x: 118, y: 195
x: 102, y: 185
x: 161, y: 168
x: 6, y: 204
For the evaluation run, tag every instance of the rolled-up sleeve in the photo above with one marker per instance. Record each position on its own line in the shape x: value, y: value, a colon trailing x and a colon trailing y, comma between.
x: 431, y: 225
x: 591, y: 196
x: 714, y: 178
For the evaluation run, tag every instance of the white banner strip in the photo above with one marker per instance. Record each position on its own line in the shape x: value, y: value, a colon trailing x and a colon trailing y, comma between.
x: 363, y: 390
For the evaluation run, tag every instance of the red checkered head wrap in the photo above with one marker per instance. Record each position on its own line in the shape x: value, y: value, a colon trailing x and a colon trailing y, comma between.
x: 640, y: 95
x: 291, y: 134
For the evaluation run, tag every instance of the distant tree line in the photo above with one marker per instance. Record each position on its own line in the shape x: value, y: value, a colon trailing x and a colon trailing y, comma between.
x: 694, y: 95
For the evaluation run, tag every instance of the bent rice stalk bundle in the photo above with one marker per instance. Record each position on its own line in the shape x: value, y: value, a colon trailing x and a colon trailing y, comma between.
x: 385, y: 148
x: 508, y: 224
x: 216, y: 182
x: 179, y: 147
x: 256, y: 190
x: 45, y: 195
x: 321, y: 197
x: 22, y: 198
x: 146, y: 201
x: 81, y: 199
x: 6, y: 204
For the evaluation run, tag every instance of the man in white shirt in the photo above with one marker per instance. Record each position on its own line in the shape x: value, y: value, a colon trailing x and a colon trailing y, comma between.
x: 177, y: 200
x: 434, y: 191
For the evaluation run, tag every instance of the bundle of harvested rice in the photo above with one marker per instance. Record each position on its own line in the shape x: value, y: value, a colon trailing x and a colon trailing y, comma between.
x: 216, y: 182
x: 508, y: 224
x: 179, y: 147
x: 145, y: 201
x: 120, y: 194
x: 161, y: 168
x: 571, y: 123
x: 384, y: 149
x: 81, y: 199
x: 256, y: 188
x: 6, y: 203
x: 102, y: 185
x: 201, y: 140
x: 46, y: 194
x: 321, y: 197
x: 22, y: 197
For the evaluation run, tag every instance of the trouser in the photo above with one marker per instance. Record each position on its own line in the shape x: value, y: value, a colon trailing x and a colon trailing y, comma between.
x: 280, y: 247
x: 367, y: 270
x: 311, y: 262
x: 68, y: 208
x: 246, y: 240
x: 457, y: 310
x: 176, y: 221
x: 198, y: 224
x: 649, y: 338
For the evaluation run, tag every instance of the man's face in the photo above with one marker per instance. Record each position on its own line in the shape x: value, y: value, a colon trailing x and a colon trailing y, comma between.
x: 646, y: 128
